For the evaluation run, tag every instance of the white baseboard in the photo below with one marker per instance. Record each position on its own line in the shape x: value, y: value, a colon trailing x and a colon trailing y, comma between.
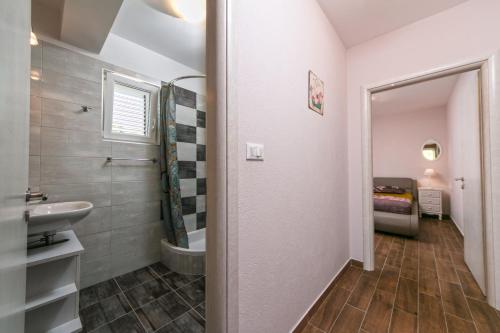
x: 320, y: 294
x: 456, y: 225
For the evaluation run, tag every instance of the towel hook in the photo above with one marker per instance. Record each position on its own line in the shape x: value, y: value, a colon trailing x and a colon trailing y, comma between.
x: 86, y: 108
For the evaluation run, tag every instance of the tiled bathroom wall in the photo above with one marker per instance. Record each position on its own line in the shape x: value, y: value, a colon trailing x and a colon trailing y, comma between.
x: 191, y: 153
x: 68, y: 162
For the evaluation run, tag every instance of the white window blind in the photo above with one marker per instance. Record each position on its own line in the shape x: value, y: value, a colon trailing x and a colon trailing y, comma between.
x: 129, y: 109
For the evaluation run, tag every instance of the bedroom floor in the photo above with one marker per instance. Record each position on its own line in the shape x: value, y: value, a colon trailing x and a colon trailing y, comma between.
x: 418, y: 286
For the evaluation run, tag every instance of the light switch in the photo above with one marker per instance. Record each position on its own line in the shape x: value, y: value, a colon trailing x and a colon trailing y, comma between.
x: 255, y: 151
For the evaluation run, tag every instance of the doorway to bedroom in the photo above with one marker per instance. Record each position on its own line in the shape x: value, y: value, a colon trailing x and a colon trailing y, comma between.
x: 427, y: 196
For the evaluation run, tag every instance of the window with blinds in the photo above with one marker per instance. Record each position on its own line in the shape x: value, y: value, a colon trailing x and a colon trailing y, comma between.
x: 130, y: 109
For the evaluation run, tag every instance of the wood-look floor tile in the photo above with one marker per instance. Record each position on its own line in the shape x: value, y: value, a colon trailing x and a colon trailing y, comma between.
x: 403, y: 322
x: 486, y: 318
x: 363, y: 292
x: 446, y: 271
x: 389, y: 279
x: 426, y: 260
x: 470, y: 286
x: 349, y: 279
x: 384, y: 247
x: 442, y: 252
x: 407, y: 296
x: 457, y: 325
x: 453, y: 300
x: 311, y: 329
x: 409, y: 269
x: 411, y: 248
x: 428, y: 282
x: 395, y: 257
x: 459, y: 262
x: 330, y: 309
x: 379, y: 312
x: 349, y: 320
x: 430, y: 314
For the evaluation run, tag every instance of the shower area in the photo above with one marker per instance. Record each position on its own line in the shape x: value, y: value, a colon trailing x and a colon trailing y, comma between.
x: 183, y: 177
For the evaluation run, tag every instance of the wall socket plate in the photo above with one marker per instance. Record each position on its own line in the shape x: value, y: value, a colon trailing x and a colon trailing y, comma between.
x: 255, y: 151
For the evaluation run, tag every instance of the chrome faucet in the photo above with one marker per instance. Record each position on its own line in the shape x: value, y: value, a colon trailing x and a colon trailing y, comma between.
x: 33, y: 196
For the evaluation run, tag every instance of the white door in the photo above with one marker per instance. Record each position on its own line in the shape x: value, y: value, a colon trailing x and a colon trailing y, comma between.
x: 14, y: 121
x: 472, y: 193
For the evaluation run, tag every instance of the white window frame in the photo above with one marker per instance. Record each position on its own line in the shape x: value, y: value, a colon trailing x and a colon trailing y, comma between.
x: 109, y: 80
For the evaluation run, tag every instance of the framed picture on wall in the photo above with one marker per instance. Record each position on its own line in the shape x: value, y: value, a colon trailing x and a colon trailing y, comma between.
x: 316, y: 93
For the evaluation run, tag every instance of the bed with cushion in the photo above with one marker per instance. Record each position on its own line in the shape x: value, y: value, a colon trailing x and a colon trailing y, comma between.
x: 395, y: 205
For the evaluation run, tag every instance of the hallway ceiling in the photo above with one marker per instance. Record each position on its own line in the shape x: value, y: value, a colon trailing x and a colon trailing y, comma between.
x: 358, y: 21
x: 421, y: 96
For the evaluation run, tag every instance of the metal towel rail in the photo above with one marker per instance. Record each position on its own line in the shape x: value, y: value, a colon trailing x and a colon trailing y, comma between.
x: 110, y: 159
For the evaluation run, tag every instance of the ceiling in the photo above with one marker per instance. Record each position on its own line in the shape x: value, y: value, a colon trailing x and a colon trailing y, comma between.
x: 68, y: 21
x: 357, y: 21
x: 421, y: 96
x: 164, y: 34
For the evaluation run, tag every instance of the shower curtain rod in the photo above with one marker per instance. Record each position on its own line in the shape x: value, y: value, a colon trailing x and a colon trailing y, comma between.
x: 171, y: 83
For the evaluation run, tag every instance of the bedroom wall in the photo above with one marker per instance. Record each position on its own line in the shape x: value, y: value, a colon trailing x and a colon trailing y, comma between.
x: 293, y: 229
x: 463, y: 99
x: 397, y: 147
x: 467, y: 31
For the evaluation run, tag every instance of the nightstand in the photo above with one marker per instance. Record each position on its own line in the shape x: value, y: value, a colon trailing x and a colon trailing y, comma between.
x: 430, y: 201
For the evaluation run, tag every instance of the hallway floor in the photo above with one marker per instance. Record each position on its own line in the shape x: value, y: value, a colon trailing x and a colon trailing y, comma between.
x: 150, y: 299
x: 418, y: 286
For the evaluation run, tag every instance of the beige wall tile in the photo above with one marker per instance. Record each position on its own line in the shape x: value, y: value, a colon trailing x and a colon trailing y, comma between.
x: 99, y: 220
x: 70, y: 63
x: 67, y: 115
x: 61, y: 142
x: 70, y: 89
x: 74, y: 170
x: 97, y: 193
x: 141, y: 191
x: 135, y: 213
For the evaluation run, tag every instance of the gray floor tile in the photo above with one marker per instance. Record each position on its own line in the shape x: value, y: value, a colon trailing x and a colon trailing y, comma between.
x: 126, y: 324
x: 190, y: 322
x: 194, y: 293
x: 130, y: 280
x: 147, y: 292
x: 98, y: 292
x: 176, y: 280
x: 162, y: 311
x: 104, y: 312
x: 159, y: 268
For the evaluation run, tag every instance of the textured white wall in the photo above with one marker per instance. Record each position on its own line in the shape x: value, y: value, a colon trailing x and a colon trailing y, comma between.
x: 293, y: 218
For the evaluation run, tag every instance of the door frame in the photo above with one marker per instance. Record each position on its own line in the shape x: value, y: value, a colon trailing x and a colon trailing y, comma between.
x: 488, y: 118
x: 222, y: 173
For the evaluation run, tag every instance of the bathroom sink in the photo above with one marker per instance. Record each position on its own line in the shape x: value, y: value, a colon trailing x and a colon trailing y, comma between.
x: 54, y: 216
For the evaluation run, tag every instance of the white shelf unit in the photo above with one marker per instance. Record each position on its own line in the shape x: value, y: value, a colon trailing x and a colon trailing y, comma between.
x: 52, y: 284
x: 430, y: 201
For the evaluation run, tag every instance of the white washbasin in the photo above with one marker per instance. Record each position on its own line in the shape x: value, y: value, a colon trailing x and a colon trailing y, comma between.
x: 54, y: 216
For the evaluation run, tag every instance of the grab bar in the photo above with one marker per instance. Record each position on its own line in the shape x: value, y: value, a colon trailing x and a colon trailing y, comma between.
x: 110, y: 159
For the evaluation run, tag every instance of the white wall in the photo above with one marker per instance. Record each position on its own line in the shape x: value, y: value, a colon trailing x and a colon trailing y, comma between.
x: 293, y: 229
x: 464, y: 32
x: 397, y: 147
x: 463, y: 100
x: 124, y: 53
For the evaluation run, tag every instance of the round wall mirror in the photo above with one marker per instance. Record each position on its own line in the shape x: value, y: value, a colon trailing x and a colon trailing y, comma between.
x: 431, y: 150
